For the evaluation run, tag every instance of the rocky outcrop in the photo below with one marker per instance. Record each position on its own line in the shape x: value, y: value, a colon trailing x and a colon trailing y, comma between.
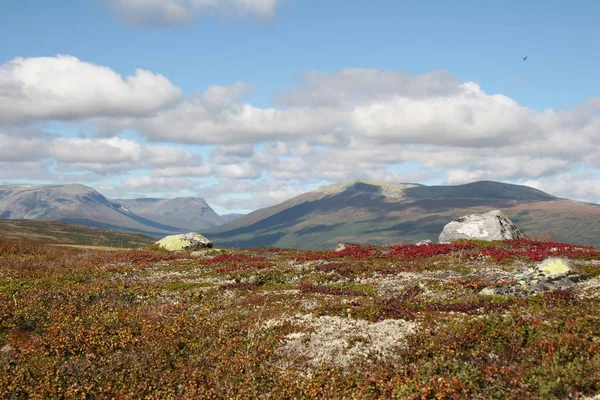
x: 186, y: 241
x: 493, y: 225
x: 550, y: 274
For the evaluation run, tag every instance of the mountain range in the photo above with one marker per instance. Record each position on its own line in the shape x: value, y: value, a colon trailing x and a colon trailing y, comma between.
x: 185, y: 213
x: 83, y: 205
x: 366, y: 212
x: 372, y: 212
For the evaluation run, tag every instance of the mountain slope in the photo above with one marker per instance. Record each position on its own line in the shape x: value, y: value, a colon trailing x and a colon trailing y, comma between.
x: 66, y: 233
x: 186, y: 213
x: 230, y: 217
x: 382, y: 213
x: 73, y: 203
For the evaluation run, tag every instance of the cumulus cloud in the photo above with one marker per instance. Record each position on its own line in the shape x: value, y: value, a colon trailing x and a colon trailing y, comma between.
x: 239, y: 171
x: 195, y: 122
x: 230, y: 154
x: 30, y: 170
x: 581, y: 185
x: 469, y: 117
x: 145, y: 184
x: 153, y: 13
x: 102, y: 155
x: 384, y: 107
x: 353, y: 85
x: 65, y: 88
x: 201, y: 170
x: 14, y: 148
x: 250, y: 195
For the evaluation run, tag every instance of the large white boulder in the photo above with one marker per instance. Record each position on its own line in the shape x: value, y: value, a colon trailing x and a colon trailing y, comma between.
x: 493, y: 225
x: 185, y: 241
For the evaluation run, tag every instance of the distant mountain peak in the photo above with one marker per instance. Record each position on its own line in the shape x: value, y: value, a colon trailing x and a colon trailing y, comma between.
x: 189, y: 213
x: 385, y: 188
x: 379, y: 212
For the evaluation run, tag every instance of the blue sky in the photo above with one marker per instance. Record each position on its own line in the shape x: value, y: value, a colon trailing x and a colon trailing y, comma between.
x: 244, y: 154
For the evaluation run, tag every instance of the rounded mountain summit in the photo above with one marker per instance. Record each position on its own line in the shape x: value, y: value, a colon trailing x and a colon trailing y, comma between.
x: 375, y: 212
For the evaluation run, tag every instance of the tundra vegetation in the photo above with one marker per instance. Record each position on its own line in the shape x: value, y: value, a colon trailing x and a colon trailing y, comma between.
x: 400, y: 321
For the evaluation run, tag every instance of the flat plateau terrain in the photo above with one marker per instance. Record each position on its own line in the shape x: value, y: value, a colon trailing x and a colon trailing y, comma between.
x: 403, y: 322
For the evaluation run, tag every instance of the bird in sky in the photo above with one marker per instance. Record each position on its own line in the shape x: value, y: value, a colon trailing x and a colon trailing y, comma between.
x: 525, y: 58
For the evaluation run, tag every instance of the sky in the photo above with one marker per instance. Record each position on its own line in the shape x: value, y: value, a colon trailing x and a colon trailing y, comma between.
x: 248, y: 103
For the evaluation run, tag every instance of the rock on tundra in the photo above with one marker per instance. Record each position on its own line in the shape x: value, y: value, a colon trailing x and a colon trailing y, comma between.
x: 493, y: 225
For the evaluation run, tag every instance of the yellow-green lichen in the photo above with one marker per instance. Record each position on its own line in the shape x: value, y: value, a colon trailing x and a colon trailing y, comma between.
x: 181, y: 242
x: 173, y: 243
x: 554, y: 267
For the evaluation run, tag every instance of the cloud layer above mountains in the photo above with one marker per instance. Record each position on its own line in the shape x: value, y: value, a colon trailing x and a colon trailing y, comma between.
x: 64, y: 119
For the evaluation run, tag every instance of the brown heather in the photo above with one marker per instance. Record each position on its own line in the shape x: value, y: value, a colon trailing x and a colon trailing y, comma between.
x: 371, y: 323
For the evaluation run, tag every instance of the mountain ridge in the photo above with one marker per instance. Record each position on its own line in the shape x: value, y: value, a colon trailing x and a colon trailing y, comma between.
x: 79, y: 204
x: 186, y: 213
x: 369, y: 213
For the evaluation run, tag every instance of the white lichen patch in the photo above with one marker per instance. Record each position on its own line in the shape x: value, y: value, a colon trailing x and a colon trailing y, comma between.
x: 589, y: 289
x: 392, y: 285
x: 596, y: 397
x: 306, y: 265
x: 343, y: 341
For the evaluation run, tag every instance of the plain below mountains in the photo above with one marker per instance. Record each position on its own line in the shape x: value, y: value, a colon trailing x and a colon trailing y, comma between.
x: 371, y: 212
x: 83, y: 205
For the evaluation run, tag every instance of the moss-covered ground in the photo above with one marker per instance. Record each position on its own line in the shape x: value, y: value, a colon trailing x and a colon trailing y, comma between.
x: 401, y: 322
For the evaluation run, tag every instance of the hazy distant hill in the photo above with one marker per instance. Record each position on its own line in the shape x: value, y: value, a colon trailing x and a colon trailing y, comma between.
x: 186, y: 213
x: 66, y: 233
x: 73, y: 203
x: 230, y: 217
x: 383, y: 213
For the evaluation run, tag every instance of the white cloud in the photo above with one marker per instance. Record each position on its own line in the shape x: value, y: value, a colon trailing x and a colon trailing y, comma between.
x: 222, y: 96
x: 168, y: 156
x: 143, y: 184
x: 111, y: 150
x: 239, y: 171
x: 470, y: 117
x: 26, y: 170
x: 353, y: 85
x: 65, y: 88
x: 195, y: 122
x: 230, y: 154
x: 200, y: 170
x: 385, y: 107
x: 571, y: 185
x: 508, y: 168
x: 104, y: 155
x: 13, y: 148
x: 150, y: 13
x: 250, y: 195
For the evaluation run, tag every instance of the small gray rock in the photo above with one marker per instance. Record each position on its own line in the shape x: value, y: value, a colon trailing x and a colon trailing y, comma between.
x: 425, y: 242
x: 344, y: 246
